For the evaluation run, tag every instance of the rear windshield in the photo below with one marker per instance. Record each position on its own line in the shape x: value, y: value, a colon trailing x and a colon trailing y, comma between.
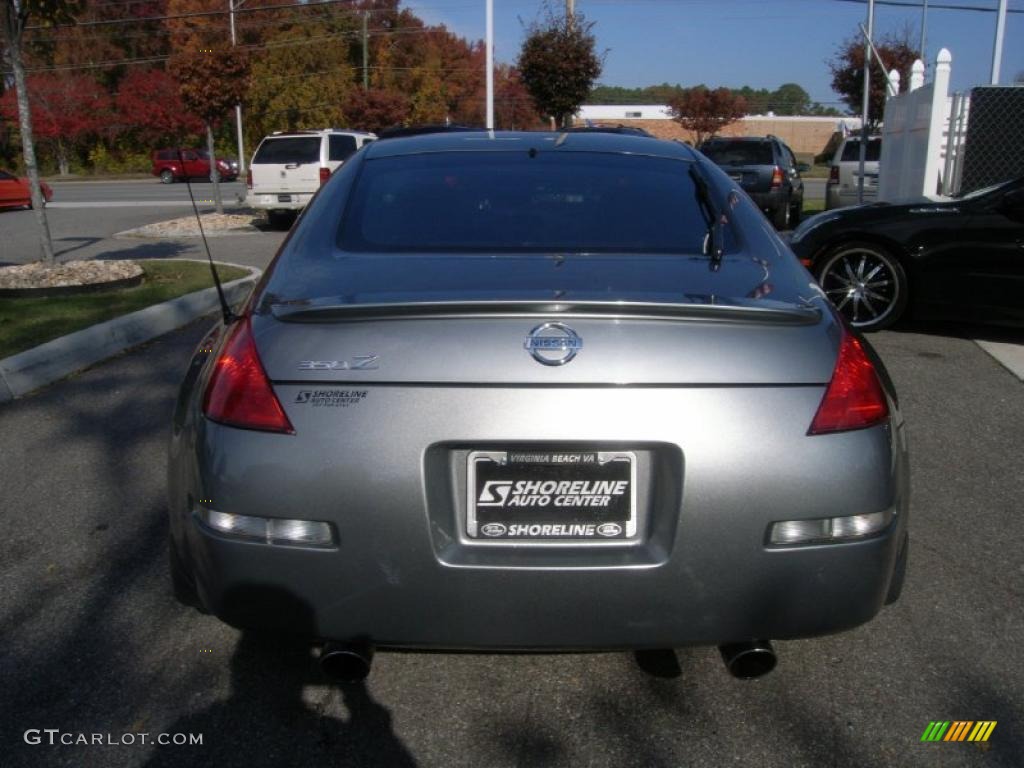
x: 288, y: 149
x: 739, y: 153
x: 340, y: 147
x: 509, y: 201
x: 851, y: 150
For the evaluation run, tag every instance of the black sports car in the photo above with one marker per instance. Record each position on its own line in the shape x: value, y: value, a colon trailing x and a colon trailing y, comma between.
x: 962, y: 258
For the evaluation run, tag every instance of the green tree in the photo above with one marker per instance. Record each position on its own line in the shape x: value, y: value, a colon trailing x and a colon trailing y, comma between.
x: 789, y: 99
x: 559, y: 64
x: 847, y: 68
x: 211, y: 80
x: 303, y: 79
x: 14, y: 18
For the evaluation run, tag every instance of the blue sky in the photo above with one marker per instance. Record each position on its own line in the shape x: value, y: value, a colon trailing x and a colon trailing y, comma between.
x: 761, y: 43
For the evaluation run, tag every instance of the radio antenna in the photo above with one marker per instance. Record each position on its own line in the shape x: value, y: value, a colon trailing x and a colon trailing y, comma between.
x: 225, y: 308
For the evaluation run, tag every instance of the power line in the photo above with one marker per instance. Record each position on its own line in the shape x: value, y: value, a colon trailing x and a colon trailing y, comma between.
x: 255, y: 47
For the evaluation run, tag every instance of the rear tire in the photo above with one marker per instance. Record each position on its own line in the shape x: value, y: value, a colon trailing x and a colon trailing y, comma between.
x: 780, y: 219
x: 866, y: 283
x: 166, y: 176
x: 796, y: 213
x: 182, y: 584
x: 280, y: 219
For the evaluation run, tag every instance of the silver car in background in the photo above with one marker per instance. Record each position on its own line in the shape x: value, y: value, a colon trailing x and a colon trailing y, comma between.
x: 537, y: 391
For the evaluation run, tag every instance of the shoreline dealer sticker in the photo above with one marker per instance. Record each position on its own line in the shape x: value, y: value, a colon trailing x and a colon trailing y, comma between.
x: 576, y: 495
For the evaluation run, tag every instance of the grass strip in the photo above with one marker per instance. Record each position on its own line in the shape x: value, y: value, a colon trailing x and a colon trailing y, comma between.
x: 29, y: 322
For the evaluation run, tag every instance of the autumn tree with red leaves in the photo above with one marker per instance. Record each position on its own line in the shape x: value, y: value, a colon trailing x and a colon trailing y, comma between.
x: 847, y: 68
x: 67, y: 111
x: 15, y: 16
x: 211, y: 81
x: 150, y: 109
x: 559, y: 64
x: 705, y: 112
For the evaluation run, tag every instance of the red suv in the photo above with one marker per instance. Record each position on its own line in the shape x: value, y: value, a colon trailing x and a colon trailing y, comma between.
x: 168, y: 165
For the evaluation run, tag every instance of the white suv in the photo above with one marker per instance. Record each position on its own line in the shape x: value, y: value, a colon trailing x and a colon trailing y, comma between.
x: 288, y: 168
x: 844, y: 176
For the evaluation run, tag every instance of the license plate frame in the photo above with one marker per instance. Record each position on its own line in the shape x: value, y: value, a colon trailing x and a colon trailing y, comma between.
x: 493, y: 479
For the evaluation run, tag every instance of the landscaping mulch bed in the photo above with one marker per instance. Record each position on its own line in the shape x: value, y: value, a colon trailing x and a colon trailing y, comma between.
x: 40, y: 279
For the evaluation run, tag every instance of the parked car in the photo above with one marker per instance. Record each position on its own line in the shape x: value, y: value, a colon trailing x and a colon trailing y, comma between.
x: 767, y: 170
x: 842, y: 188
x: 173, y: 165
x: 14, y: 191
x: 962, y: 258
x: 506, y: 391
x: 288, y: 168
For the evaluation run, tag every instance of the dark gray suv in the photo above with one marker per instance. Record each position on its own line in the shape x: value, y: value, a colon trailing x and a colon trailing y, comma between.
x: 767, y: 170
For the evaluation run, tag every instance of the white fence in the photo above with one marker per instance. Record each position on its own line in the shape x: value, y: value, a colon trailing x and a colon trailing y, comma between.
x: 913, y: 140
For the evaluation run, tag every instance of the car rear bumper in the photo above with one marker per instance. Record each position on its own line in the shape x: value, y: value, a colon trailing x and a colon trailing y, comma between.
x: 276, y: 202
x: 692, y: 599
x: 770, y: 201
x: 403, y: 574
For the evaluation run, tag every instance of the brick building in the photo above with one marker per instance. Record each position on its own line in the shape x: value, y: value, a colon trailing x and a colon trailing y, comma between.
x: 805, y: 135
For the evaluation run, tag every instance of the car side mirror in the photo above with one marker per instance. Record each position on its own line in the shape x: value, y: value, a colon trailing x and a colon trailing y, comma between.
x: 803, y: 167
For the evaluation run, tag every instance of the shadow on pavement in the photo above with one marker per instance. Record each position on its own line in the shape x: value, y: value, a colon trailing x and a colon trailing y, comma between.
x: 81, y: 242
x: 266, y: 721
x: 164, y: 249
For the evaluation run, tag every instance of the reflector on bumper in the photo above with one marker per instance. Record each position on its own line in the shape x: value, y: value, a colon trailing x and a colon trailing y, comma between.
x: 306, y: 533
x: 828, y: 530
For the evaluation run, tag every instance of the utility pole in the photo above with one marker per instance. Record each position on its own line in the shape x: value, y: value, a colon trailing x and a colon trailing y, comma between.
x: 366, y: 53
x: 489, y: 46
x: 997, y: 50
x: 924, y: 33
x: 866, y: 103
x: 570, y: 10
x: 232, y: 5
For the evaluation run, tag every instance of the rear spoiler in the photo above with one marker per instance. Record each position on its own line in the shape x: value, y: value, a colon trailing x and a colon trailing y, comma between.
x: 759, y: 311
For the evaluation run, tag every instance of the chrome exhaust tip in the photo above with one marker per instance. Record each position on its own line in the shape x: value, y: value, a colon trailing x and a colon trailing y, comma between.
x: 749, y: 659
x: 345, y: 663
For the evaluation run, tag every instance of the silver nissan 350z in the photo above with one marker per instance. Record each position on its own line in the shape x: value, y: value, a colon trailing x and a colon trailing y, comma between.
x: 537, y: 391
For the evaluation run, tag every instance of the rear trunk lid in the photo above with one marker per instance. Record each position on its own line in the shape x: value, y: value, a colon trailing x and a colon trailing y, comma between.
x: 644, y: 320
x: 287, y: 165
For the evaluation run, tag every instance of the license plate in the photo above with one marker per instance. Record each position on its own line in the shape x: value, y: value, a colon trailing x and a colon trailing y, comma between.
x: 551, y: 495
x: 736, y: 176
x: 284, y: 198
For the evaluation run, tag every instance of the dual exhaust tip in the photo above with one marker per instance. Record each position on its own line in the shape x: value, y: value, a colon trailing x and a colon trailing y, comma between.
x: 346, y: 663
x: 351, y: 663
x: 749, y: 659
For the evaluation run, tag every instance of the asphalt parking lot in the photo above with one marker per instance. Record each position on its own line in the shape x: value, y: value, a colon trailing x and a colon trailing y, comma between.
x: 93, y: 642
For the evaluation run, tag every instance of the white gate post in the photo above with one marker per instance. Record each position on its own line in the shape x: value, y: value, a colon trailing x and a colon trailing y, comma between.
x: 916, y: 74
x: 940, y: 90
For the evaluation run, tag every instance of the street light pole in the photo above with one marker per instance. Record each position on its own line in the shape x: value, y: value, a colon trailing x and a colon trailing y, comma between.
x: 232, y: 5
x: 866, y: 104
x: 997, y: 50
x: 924, y: 32
x: 489, y: 45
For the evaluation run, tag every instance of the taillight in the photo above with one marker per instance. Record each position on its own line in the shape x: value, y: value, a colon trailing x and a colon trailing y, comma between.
x: 325, y: 174
x: 239, y: 392
x: 248, y: 178
x: 854, y: 398
x: 776, y: 177
x: 833, y: 174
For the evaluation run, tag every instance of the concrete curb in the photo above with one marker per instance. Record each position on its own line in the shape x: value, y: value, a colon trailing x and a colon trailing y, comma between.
x: 34, y: 368
x: 1010, y: 356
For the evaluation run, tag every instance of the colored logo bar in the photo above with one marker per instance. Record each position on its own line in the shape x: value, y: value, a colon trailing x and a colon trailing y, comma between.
x: 958, y: 730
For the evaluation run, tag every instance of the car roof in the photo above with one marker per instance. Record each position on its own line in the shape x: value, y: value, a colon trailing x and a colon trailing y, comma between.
x: 523, y: 141
x: 318, y: 132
